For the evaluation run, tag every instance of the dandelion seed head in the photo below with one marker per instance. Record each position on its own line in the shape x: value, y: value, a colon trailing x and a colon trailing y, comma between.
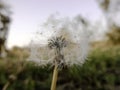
x: 70, y: 35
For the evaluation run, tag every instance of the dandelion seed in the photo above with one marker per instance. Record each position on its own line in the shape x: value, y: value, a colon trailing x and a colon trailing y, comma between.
x: 69, y: 37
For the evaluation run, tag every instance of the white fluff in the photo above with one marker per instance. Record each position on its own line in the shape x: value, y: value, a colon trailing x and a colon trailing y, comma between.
x: 78, y: 43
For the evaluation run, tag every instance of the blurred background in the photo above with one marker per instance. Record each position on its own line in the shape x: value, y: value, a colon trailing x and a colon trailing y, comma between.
x: 21, y: 20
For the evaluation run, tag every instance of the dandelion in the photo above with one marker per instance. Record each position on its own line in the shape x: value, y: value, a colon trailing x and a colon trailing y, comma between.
x: 67, y: 45
x: 57, y: 43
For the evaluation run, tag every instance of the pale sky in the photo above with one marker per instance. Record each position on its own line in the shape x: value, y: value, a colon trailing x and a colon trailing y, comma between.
x: 28, y: 15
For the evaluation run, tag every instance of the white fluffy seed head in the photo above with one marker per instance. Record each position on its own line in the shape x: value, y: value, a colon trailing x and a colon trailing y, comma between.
x: 76, y: 33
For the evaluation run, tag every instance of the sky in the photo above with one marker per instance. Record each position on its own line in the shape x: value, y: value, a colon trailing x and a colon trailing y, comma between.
x: 28, y: 15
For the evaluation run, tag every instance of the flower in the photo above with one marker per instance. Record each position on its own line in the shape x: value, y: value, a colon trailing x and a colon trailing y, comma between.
x: 69, y: 41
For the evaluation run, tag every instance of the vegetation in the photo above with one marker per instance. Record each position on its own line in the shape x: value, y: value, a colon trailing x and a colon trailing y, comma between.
x: 4, y: 26
x: 114, y: 35
x: 110, y: 9
x: 100, y: 72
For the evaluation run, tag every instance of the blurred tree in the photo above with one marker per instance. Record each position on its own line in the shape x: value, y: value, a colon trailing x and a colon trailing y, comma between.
x: 111, y: 11
x: 114, y: 34
x: 4, y: 25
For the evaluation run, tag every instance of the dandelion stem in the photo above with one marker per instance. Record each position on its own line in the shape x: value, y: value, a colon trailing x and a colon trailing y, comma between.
x: 54, y: 80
